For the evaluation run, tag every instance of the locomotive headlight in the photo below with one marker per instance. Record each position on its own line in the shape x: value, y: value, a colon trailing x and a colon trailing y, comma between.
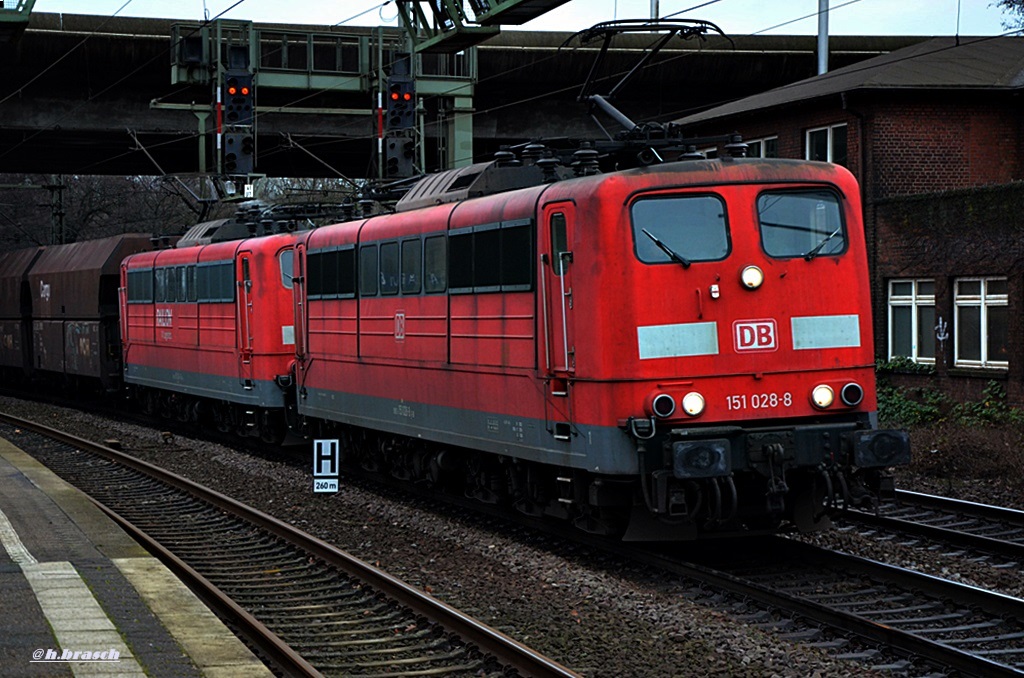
x: 822, y: 396
x: 752, y: 277
x: 693, y: 403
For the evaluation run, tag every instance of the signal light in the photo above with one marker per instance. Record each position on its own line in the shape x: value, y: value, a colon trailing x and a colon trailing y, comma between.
x: 237, y: 98
x: 401, y: 112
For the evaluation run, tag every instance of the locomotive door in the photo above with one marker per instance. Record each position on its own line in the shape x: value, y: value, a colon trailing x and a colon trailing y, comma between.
x: 244, y: 317
x: 299, y: 302
x: 556, y: 263
x: 557, y: 230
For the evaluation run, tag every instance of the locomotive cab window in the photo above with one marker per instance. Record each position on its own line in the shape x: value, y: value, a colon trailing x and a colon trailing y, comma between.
x: 558, y: 242
x: 287, y: 266
x: 801, y: 224
x: 680, y: 229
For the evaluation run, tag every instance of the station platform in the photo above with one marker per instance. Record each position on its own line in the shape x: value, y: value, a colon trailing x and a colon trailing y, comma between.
x: 71, y: 581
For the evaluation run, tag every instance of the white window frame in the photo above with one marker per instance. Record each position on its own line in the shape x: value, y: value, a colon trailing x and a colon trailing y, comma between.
x: 830, y: 129
x: 915, y: 300
x: 762, y: 141
x: 985, y: 301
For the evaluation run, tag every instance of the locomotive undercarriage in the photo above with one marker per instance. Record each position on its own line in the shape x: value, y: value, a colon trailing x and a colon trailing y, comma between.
x: 770, y: 493
x: 731, y: 479
x: 595, y: 504
x: 245, y: 421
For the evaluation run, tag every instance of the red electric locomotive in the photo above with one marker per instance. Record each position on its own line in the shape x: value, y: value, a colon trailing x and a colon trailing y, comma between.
x: 209, y: 324
x: 679, y: 349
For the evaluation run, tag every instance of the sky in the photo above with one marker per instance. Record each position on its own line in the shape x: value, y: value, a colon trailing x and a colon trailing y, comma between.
x: 737, y: 17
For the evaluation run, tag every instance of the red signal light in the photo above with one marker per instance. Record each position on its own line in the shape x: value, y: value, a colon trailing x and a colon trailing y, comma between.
x: 245, y: 91
x: 394, y: 96
x: 232, y: 90
x: 407, y: 96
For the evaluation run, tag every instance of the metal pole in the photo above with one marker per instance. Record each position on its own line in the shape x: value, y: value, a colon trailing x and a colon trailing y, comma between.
x: 655, y: 12
x: 822, y: 36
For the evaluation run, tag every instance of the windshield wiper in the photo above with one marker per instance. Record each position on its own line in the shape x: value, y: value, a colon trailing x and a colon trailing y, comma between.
x: 817, y: 248
x: 672, y: 254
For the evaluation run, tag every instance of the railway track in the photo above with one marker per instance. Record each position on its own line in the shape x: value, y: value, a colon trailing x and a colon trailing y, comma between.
x: 940, y: 622
x: 992, y: 530
x: 914, y: 620
x: 307, y: 607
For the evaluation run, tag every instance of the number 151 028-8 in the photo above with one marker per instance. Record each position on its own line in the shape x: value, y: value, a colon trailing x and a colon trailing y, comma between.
x: 759, y: 401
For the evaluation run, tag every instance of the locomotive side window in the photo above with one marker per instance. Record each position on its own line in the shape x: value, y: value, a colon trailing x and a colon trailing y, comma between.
x: 215, y: 282
x: 460, y: 261
x: 315, y: 274
x: 190, y: 277
x: 680, y: 229
x: 331, y: 273
x: 328, y: 265
x: 412, y: 251
x: 486, y: 258
x: 368, y: 271
x: 494, y: 257
x: 160, y: 291
x: 801, y: 223
x: 516, y: 256
x: 435, y: 264
x: 140, y: 286
x: 184, y: 289
x: 389, y: 268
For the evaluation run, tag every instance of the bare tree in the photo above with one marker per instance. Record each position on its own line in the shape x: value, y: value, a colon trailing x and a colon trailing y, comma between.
x: 38, y: 210
x: 1015, y: 10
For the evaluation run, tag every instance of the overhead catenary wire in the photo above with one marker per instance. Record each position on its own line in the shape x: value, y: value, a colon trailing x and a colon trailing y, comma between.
x: 284, y: 107
x: 64, y: 56
x: 537, y: 97
x: 116, y: 83
x: 454, y: 90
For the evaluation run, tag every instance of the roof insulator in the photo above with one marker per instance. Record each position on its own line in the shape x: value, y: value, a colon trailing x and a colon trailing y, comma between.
x: 691, y: 154
x: 548, y: 165
x: 532, y: 153
x: 506, y: 158
x: 585, y: 161
x: 736, y: 148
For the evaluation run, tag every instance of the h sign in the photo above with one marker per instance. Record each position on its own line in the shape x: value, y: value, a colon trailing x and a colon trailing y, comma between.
x: 755, y: 335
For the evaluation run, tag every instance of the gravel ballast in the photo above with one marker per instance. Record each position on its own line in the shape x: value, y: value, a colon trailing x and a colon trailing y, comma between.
x: 593, y: 613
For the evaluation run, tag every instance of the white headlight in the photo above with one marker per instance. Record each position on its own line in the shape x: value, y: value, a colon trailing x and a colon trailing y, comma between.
x: 693, y: 403
x: 752, y: 277
x: 822, y: 396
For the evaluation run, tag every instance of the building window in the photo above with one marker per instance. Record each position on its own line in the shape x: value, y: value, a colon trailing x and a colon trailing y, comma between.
x: 981, y: 322
x: 827, y: 144
x: 912, y: 320
x: 763, y: 148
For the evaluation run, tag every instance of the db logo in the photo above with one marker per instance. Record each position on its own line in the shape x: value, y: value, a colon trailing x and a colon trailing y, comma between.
x: 400, y: 326
x: 755, y: 335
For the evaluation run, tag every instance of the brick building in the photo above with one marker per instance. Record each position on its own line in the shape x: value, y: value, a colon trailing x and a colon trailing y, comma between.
x: 934, y: 134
